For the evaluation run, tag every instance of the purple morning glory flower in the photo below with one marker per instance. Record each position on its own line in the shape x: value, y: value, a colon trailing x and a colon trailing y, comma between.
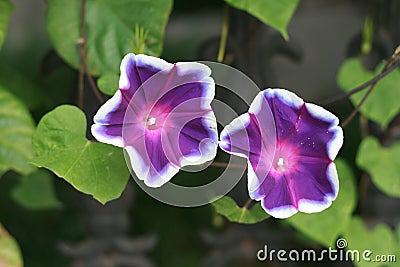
x: 161, y: 116
x: 290, y: 166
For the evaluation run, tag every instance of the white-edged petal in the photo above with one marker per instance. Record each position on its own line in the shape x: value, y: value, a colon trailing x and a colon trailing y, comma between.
x: 336, y: 143
x: 253, y: 183
x: 287, y: 97
x: 103, y: 115
x: 238, y: 124
x: 282, y: 212
x: 154, y: 63
x: 99, y: 132
x: 127, y: 62
x: 208, y: 146
x: 195, y: 71
x: 322, y: 114
x: 311, y: 206
x: 332, y: 175
x: 145, y: 172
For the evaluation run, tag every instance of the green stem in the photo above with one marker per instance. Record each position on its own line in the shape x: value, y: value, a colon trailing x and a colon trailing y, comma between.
x: 367, y: 35
x: 81, y: 50
x: 394, y: 60
x: 224, y: 35
x: 248, y: 202
x: 83, y: 69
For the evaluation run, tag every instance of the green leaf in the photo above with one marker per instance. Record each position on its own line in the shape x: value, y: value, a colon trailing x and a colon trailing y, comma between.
x: 93, y: 168
x: 395, y: 262
x: 110, y: 29
x: 10, y: 255
x: 324, y: 227
x: 108, y: 83
x: 380, y: 241
x: 36, y: 191
x: 382, y: 104
x: 383, y: 164
x: 227, y: 207
x: 25, y: 89
x: 16, y: 130
x: 276, y: 14
x: 5, y: 12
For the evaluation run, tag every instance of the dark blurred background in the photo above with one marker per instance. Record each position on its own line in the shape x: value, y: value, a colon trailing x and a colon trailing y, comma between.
x: 322, y: 35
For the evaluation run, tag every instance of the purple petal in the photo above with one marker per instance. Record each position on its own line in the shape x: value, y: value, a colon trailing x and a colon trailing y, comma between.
x: 241, y: 137
x: 112, y: 112
x: 311, y: 135
x: 198, y: 141
x: 278, y: 201
x: 252, y: 135
x: 137, y: 69
x: 150, y: 163
x: 285, y: 107
x: 314, y: 190
x: 108, y: 121
x: 185, y: 79
x: 109, y: 134
x: 199, y: 94
x: 336, y: 142
x: 309, y: 204
x: 307, y: 190
x: 193, y: 138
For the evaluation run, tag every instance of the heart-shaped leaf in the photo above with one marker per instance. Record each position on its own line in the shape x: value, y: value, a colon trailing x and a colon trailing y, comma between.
x: 379, y: 241
x: 36, y: 191
x: 93, y: 168
x: 276, y: 14
x: 383, y: 164
x: 16, y: 130
x: 227, y: 207
x: 110, y: 29
x: 383, y: 103
x: 5, y: 12
x: 324, y: 227
x: 108, y: 83
x: 10, y: 255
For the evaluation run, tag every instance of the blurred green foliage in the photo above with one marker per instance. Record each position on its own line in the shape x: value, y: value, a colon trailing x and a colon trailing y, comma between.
x: 39, y: 210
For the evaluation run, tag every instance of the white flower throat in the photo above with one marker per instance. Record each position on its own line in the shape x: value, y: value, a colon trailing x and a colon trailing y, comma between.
x: 151, y: 122
x: 281, y: 165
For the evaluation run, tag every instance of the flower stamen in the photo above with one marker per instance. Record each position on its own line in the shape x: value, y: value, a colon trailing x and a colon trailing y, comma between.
x: 281, y: 165
x: 151, y: 123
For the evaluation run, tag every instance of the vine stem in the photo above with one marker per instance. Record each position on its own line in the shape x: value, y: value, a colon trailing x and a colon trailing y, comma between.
x: 363, y: 86
x: 81, y: 50
x: 392, y: 63
x: 218, y: 164
x: 224, y: 35
x: 83, y: 65
x: 248, y: 202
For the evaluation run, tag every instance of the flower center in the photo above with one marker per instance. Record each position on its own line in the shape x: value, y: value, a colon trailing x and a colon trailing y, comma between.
x: 286, y: 158
x: 151, y: 123
x: 281, y: 164
x: 154, y: 118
